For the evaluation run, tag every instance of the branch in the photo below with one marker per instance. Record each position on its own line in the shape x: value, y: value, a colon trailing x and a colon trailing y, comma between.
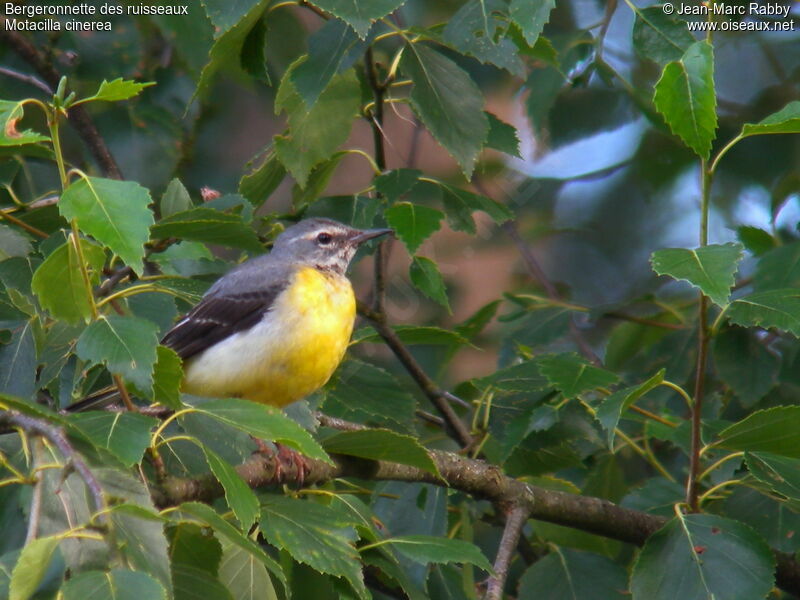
x: 56, y: 436
x: 78, y: 117
x: 516, y: 517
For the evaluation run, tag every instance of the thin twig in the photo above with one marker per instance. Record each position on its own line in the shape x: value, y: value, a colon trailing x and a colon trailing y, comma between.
x: 29, y: 228
x: 116, y: 277
x: 30, y: 79
x: 516, y: 517
x: 56, y: 436
x: 78, y: 117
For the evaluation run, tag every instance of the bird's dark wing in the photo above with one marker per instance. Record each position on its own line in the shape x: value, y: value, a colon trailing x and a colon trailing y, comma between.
x: 218, y: 316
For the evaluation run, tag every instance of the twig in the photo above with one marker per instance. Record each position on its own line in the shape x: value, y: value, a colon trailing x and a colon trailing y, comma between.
x: 78, y: 117
x: 56, y: 436
x: 643, y: 321
x: 29, y: 228
x: 516, y: 517
x: 116, y: 277
x: 30, y: 79
x: 438, y: 397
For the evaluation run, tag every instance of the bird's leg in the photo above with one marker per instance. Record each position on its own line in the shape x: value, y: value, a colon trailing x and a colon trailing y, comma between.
x: 286, y: 458
x: 265, y: 449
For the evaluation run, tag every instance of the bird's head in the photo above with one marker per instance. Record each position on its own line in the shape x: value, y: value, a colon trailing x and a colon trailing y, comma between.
x: 323, y: 243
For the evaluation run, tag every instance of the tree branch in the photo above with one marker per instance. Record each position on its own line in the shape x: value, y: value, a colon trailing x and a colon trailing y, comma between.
x: 516, y: 517
x: 78, y: 117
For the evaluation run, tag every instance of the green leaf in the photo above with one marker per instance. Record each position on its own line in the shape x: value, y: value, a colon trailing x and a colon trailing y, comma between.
x: 659, y: 37
x: 117, y: 89
x: 448, y: 102
x: 709, y: 268
x: 316, y: 535
x: 566, y: 573
x: 426, y: 277
x: 459, y: 205
x: 573, y: 375
x: 531, y: 17
x: 126, y: 345
x: 703, y: 556
x: 210, y: 226
x: 412, y: 335
x: 774, y: 308
x: 58, y: 281
x: 775, y: 430
x: 18, y: 363
x: 234, y: 21
x: 685, y: 96
x: 786, y: 120
x: 413, y: 223
x: 396, y: 183
x: 167, y: 377
x: 779, y: 473
x: 263, y: 422
x: 209, y: 516
x: 363, y: 392
x: 756, y: 240
x: 315, y: 132
x: 31, y: 567
x: 117, y: 584
x: 11, y: 112
x: 191, y: 582
x: 502, y: 136
x: 610, y: 411
x: 779, y: 267
x: 359, y: 15
x: 258, y: 185
x: 745, y: 364
x: 13, y: 243
x: 191, y: 545
x: 382, y: 444
x: 240, y: 498
x: 333, y: 48
x: 478, y: 29
x: 175, y: 199
x: 426, y: 549
x: 125, y: 435
x: 244, y: 575
x: 522, y: 377
x: 114, y: 212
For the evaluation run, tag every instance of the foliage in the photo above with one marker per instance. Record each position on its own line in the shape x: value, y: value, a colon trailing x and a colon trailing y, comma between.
x: 665, y: 388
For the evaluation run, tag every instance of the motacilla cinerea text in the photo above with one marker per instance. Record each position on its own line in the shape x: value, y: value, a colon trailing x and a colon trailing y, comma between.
x: 273, y: 329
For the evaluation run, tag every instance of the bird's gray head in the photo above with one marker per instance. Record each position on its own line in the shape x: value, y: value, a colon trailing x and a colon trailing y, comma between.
x: 323, y: 243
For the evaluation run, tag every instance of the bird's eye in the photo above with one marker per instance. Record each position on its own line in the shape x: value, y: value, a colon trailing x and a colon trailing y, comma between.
x: 324, y: 238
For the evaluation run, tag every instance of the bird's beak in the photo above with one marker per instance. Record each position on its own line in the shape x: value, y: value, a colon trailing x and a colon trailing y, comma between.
x: 368, y: 234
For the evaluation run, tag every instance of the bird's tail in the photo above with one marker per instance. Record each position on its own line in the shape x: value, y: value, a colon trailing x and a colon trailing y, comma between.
x: 97, y: 400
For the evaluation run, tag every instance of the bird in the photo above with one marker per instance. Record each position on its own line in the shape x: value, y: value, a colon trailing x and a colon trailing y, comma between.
x: 274, y: 328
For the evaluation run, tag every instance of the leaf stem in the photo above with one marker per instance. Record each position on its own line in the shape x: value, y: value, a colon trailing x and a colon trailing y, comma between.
x: 718, y: 464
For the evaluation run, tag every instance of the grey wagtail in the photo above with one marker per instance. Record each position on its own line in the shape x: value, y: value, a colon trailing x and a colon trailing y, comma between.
x: 274, y: 328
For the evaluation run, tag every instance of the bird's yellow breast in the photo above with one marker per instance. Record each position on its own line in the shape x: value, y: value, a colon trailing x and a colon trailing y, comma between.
x: 290, y: 353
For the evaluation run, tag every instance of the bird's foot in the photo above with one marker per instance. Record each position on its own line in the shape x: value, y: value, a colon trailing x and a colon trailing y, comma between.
x: 285, y: 460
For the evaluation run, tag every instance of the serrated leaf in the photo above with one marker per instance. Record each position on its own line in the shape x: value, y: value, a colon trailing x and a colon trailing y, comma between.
x: 426, y: 277
x: 659, y: 37
x: 175, y: 199
x: 125, y: 345
x: 773, y: 308
x: 11, y: 112
x: 263, y: 422
x: 703, y: 556
x: 426, y: 549
x: 460, y: 204
x: 745, y: 364
x: 58, y: 281
x: 359, y: 15
x: 333, y: 48
x: 393, y: 184
x: 114, y: 212
x: 167, y: 376
x: 686, y: 97
x: 786, y: 120
x: 316, y: 535
x: 31, y: 566
x: 240, y: 498
x: 775, y: 430
x: 117, y: 584
x: 117, y: 89
x: 191, y: 582
x: 210, y: 226
x: 709, y: 268
x: 566, y: 573
x: 502, y: 136
x: 779, y: 267
x: 573, y: 375
x: 259, y: 184
x: 448, y: 102
x: 244, y: 576
x: 412, y: 335
x: 612, y: 408
x: 531, y: 16
x: 522, y: 377
x: 779, y: 473
x: 478, y: 29
x: 191, y: 545
x: 382, y: 444
x: 125, y: 435
x: 13, y: 243
x: 756, y: 240
x: 413, y: 223
x: 18, y: 363
x: 315, y: 132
